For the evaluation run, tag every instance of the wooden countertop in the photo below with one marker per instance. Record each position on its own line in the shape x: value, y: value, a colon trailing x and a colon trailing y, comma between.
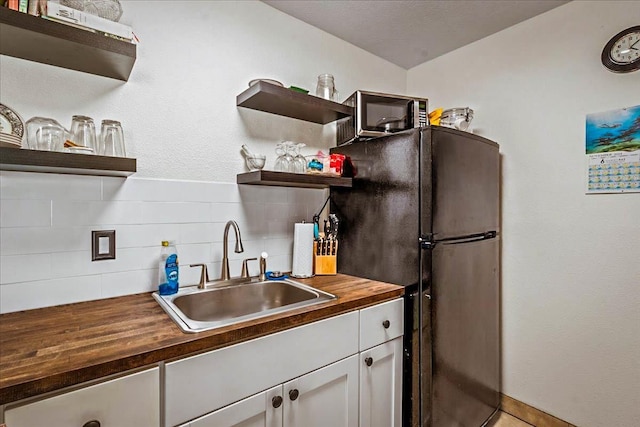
x: 51, y: 348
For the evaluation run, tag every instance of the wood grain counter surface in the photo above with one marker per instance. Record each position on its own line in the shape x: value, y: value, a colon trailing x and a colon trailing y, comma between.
x: 51, y: 348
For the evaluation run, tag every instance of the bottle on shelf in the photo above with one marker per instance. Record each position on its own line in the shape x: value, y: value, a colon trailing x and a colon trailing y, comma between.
x: 168, y: 269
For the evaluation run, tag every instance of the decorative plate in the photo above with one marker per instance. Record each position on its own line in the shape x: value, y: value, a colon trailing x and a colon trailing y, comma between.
x: 10, y: 122
x: 273, y: 82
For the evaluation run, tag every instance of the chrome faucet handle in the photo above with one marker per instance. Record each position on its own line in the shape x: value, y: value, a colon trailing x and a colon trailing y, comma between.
x: 204, y: 274
x: 245, y: 267
x: 263, y: 266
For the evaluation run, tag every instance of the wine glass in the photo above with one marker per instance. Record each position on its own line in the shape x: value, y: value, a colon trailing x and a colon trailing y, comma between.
x: 299, y: 161
x: 284, y: 160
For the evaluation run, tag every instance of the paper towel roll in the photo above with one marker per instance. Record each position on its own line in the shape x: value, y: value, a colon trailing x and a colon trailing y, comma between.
x: 302, y: 250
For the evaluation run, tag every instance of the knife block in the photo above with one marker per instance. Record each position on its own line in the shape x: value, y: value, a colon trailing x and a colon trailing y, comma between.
x: 325, y: 264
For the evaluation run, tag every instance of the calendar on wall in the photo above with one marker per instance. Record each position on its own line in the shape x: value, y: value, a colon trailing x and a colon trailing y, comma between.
x: 613, y: 151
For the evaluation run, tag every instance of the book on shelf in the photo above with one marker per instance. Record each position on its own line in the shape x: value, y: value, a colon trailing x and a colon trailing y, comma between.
x: 71, y: 24
x: 37, y: 7
x: 64, y: 14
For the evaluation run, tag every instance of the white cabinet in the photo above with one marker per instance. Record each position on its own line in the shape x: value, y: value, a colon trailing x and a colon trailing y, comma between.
x: 130, y: 401
x: 381, y: 323
x: 326, y: 397
x: 345, y: 371
x: 203, y: 383
x: 381, y: 330
x: 261, y: 410
x: 381, y: 385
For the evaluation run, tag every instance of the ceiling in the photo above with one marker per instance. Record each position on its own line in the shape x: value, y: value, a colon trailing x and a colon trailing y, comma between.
x: 408, y: 33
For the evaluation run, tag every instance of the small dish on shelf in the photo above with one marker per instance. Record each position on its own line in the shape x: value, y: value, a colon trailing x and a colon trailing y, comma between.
x: 298, y: 89
x: 270, y: 81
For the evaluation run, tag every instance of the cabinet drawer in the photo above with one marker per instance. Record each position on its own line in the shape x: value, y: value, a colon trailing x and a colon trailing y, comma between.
x: 130, y: 401
x: 381, y: 323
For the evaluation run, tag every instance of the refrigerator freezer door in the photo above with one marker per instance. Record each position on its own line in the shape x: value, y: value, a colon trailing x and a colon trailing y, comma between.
x: 379, y: 215
x: 466, y: 184
x: 465, y: 315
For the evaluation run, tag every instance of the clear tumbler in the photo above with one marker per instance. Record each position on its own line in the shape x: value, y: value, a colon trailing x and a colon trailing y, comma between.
x: 326, y: 87
x: 83, y: 132
x: 111, y: 139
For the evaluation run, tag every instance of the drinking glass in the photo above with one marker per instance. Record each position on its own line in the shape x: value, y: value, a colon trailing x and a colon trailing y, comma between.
x: 33, y: 127
x: 111, y: 139
x: 49, y: 138
x: 299, y: 161
x: 326, y: 87
x: 83, y: 132
x: 284, y: 160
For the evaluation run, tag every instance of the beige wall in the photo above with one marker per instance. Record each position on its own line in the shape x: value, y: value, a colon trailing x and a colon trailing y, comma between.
x: 571, y: 275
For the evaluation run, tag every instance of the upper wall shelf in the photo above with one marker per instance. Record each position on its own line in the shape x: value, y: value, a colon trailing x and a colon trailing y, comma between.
x: 36, y: 39
x: 15, y: 159
x: 286, y: 102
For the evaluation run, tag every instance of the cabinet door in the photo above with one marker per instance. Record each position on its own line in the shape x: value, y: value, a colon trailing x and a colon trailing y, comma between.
x: 322, y: 398
x: 381, y: 385
x: 130, y: 401
x: 260, y: 410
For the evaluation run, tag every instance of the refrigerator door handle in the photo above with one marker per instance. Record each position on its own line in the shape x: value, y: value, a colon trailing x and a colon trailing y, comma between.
x: 428, y: 242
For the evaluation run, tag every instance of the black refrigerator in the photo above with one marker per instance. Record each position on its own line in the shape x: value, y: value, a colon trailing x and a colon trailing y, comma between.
x: 424, y: 212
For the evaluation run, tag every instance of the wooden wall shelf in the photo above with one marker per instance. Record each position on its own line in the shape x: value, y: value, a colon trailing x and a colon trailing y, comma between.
x: 14, y: 159
x: 285, y: 179
x: 36, y: 39
x: 286, y: 102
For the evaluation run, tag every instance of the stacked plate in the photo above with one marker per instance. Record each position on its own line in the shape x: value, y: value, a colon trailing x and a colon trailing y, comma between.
x: 11, y: 128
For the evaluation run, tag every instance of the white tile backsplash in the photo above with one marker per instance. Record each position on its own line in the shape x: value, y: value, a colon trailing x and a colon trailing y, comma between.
x: 46, y: 222
x: 25, y: 213
x: 23, y: 268
x: 49, y: 186
x: 45, y: 293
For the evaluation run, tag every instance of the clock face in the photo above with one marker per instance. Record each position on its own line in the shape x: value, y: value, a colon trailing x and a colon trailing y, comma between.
x: 626, y: 49
x: 622, y: 53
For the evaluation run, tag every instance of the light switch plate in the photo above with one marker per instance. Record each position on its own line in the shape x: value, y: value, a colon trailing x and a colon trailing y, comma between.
x: 103, y: 245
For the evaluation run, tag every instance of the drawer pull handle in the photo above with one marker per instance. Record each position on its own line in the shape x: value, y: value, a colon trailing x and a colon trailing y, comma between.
x: 92, y: 423
x: 368, y: 361
x: 386, y: 324
x: 293, y: 394
x: 276, y: 401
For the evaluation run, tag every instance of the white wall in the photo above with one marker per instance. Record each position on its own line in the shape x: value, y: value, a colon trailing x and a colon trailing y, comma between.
x: 571, y: 275
x: 181, y: 123
x: 178, y: 108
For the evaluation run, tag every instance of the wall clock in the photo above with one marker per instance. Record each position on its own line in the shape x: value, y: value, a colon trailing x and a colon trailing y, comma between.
x: 621, y: 54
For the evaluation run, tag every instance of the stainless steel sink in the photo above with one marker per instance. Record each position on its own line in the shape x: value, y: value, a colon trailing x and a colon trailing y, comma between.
x: 196, y: 310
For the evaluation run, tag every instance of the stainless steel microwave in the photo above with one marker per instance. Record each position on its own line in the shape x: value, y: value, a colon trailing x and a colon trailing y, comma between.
x: 378, y: 114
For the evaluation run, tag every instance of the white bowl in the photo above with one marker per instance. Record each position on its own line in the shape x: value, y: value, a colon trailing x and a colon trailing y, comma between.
x: 256, y: 162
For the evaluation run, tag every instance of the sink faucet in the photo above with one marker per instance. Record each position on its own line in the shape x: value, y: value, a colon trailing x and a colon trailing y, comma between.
x: 225, y: 252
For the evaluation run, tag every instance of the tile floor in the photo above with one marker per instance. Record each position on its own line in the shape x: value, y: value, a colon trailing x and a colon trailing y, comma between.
x: 505, y: 420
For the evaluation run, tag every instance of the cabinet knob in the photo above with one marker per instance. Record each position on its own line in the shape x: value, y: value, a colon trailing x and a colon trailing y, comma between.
x: 92, y: 423
x: 293, y: 394
x: 276, y: 401
x: 386, y: 324
x: 368, y: 361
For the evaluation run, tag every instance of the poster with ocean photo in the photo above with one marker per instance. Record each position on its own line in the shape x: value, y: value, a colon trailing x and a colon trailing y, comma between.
x: 613, y: 151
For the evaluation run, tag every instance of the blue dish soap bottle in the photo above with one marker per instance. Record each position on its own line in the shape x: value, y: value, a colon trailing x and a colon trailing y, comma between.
x: 168, y: 269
